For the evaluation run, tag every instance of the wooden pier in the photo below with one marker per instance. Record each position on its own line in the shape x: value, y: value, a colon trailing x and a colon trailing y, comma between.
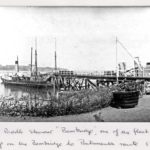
x: 80, y: 81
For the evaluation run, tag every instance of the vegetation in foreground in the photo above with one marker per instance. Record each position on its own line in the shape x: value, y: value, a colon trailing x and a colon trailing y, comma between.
x: 67, y: 103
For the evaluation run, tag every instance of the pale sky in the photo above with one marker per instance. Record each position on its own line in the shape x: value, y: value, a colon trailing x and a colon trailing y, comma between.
x: 85, y: 36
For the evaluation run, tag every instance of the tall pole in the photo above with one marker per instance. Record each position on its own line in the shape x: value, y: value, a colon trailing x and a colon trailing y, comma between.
x: 55, y: 57
x: 116, y: 60
x: 17, y: 64
x: 31, y: 60
x: 36, y: 68
x: 35, y: 62
x: 143, y: 71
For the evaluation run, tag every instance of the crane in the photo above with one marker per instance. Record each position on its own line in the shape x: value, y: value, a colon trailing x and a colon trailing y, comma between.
x: 134, y: 58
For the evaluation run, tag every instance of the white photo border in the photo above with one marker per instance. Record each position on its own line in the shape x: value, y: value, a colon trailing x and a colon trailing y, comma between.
x: 74, y: 3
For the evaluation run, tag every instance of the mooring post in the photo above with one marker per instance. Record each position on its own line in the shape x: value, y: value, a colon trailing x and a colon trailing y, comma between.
x: 54, y: 85
x: 97, y: 83
x: 85, y: 83
x: 57, y: 95
x: 68, y: 84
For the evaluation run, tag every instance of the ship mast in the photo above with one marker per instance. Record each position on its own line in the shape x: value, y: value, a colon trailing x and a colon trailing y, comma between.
x: 36, y: 68
x: 18, y: 64
x: 117, y: 73
x: 31, y: 61
x: 55, y: 57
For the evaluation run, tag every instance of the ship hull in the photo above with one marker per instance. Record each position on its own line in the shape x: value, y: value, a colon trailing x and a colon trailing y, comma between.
x: 35, y: 84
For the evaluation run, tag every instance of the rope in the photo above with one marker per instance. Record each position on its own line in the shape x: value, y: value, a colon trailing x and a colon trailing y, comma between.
x: 129, y: 54
x: 125, y: 49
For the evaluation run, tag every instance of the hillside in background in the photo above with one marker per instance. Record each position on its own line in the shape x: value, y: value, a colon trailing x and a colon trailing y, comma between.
x: 27, y: 68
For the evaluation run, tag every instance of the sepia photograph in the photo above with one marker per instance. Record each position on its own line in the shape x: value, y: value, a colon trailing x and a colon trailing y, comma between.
x: 74, y: 64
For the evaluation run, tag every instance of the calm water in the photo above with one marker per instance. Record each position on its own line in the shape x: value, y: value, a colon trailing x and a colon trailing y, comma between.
x: 19, y: 91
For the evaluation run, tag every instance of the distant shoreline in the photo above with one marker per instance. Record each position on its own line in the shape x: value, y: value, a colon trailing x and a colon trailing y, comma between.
x: 27, y: 68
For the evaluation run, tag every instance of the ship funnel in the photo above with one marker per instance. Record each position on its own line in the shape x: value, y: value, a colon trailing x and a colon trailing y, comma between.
x: 17, y: 65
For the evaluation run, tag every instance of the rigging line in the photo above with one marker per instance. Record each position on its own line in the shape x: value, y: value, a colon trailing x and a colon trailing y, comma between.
x: 125, y: 49
x: 129, y: 53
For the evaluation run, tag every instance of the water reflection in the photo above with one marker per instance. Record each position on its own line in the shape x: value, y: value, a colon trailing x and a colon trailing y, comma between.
x: 20, y: 91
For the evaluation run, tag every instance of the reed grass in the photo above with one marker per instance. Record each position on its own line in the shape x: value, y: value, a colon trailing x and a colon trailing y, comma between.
x: 75, y: 102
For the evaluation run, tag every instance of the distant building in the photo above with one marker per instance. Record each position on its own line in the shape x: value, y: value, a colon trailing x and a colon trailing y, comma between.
x: 147, y: 70
x: 138, y: 67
